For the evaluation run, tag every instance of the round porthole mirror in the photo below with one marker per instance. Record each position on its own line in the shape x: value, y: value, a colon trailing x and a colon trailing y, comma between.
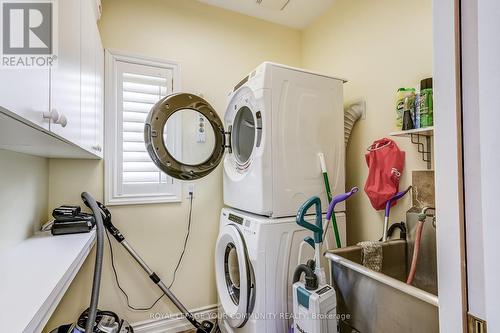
x: 184, y: 136
x: 189, y: 137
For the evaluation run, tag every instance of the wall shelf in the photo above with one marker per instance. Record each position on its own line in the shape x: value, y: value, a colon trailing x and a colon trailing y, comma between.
x: 35, y: 275
x: 422, y: 138
x: 426, y: 131
x: 22, y: 136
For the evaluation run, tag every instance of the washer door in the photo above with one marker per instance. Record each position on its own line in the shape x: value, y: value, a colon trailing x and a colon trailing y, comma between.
x: 202, y: 146
x: 234, y: 276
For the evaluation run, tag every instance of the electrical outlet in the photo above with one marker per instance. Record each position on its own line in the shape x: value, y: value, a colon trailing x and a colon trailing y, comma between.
x: 190, y: 190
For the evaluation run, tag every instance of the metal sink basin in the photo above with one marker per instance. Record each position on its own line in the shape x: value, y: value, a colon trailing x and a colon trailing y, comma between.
x: 374, y: 302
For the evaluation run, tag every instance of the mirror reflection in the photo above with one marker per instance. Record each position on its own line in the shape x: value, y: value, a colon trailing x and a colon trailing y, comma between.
x: 189, y: 137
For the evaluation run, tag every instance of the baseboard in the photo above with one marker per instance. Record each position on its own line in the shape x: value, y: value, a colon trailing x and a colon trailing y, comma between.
x: 174, y: 323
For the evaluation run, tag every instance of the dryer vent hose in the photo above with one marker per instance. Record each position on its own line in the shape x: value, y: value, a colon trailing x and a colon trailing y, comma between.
x: 352, y: 113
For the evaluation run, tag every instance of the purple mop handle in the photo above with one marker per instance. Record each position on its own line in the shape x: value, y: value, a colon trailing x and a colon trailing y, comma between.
x: 396, y: 196
x: 337, y: 199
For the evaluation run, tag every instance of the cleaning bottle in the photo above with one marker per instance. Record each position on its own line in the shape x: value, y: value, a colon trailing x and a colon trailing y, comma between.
x: 401, y: 95
x: 408, y: 106
x: 426, y: 105
x: 416, y: 116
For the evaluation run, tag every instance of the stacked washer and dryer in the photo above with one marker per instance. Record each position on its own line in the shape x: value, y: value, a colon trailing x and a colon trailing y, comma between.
x: 279, y: 119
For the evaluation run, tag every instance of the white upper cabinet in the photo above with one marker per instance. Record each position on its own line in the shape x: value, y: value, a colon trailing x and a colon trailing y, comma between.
x: 25, y: 92
x: 92, y: 62
x: 88, y: 76
x: 65, y: 101
x: 65, y: 77
x: 99, y: 115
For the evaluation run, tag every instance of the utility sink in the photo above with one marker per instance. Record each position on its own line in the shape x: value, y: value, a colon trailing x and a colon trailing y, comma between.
x: 374, y: 302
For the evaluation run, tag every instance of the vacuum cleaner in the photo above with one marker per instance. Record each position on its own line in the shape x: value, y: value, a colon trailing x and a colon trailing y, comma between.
x: 97, y: 321
x: 315, y: 301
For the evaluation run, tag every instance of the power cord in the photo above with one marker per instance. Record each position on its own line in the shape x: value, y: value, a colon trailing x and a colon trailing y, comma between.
x: 185, y: 240
x: 115, y: 273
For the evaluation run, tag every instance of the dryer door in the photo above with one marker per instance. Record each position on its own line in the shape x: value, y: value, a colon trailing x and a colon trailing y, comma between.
x: 234, y: 276
x: 184, y: 136
x: 244, y: 117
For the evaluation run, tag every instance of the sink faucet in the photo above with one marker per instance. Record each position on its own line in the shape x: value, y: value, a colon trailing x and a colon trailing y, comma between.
x: 423, y: 215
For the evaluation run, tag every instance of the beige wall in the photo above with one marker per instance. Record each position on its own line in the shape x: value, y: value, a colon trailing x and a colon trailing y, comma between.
x: 378, y: 46
x: 215, y: 49
x: 23, y: 196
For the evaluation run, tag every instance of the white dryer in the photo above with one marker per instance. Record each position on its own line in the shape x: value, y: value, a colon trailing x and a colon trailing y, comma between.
x: 255, y: 258
x: 277, y: 121
x: 280, y: 118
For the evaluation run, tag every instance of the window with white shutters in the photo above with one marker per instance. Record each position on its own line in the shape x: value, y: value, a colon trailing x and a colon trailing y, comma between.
x: 135, y: 85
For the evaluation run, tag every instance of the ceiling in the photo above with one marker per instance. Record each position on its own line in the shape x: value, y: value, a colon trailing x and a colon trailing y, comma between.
x: 293, y: 13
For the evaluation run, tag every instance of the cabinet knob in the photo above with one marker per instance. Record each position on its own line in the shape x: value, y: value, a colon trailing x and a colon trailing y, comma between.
x: 62, y: 120
x: 51, y: 115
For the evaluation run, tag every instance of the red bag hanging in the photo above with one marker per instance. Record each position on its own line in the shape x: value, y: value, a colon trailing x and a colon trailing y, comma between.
x: 385, y: 163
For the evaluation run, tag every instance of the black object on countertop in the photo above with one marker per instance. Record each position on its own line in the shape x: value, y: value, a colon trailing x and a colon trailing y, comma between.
x: 74, y: 225
x: 70, y: 220
x: 66, y: 210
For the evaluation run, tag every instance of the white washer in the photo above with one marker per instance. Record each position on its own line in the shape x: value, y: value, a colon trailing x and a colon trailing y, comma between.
x: 280, y: 118
x: 255, y: 258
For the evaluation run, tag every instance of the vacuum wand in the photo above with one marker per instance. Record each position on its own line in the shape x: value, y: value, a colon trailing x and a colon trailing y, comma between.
x: 96, y: 283
x: 203, y: 327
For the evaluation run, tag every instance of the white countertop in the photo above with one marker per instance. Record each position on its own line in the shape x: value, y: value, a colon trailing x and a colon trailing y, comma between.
x: 35, y: 274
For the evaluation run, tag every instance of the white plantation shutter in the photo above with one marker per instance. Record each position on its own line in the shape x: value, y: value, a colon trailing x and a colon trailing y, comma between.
x: 136, y: 178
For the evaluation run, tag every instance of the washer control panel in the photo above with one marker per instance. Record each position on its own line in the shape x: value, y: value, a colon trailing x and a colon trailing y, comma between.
x: 236, y: 219
x: 246, y: 225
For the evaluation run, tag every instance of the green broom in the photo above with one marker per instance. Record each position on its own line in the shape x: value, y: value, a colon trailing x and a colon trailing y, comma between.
x: 329, y: 195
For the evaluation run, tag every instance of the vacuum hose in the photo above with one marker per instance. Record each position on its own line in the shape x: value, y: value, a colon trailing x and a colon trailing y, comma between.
x: 90, y: 201
x: 311, y: 278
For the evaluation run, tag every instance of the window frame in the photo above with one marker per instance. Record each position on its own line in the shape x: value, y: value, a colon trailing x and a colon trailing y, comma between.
x: 112, y: 143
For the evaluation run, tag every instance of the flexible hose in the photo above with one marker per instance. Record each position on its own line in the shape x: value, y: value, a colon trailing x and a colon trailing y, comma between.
x: 90, y: 201
x: 416, y: 250
x: 302, y: 268
x: 310, y: 277
x: 352, y: 113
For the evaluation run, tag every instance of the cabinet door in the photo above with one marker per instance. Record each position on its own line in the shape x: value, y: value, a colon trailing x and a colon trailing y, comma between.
x: 65, y: 77
x: 99, y: 114
x: 25, y: 92
x: 88, y: 78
